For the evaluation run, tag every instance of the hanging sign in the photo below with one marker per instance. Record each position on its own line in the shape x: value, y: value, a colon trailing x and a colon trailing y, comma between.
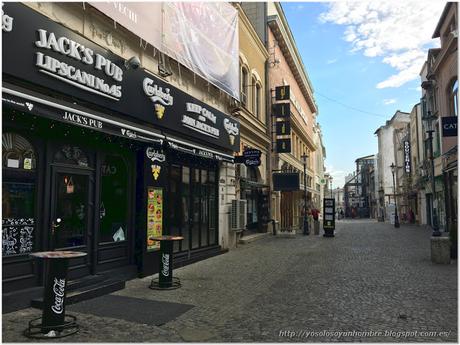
x: 283, y: 128
x: 252, y: 157
x: 282, y: 93
x: 154, y: 216
x: 449, y: 126
x: 286, y: 181
x: 282, y: 110
x: 407, y: 156
x: 283, y: 145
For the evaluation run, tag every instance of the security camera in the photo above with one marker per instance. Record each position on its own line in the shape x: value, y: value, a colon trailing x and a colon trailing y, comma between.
x: 133, y: 62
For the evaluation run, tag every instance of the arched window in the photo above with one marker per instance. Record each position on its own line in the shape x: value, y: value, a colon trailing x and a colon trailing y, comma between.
x: 254, y: 96
x: 244, y: 85
x: 18, y: 194
x: 453, y: 97
x: 17, y: 153
x: 72, y: 155
x: 258, y: 99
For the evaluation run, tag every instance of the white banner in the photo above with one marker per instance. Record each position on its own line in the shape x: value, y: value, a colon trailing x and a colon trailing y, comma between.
x: 203, y: 36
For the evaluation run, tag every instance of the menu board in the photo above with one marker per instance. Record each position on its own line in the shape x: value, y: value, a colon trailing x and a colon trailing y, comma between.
x: 154, y: 216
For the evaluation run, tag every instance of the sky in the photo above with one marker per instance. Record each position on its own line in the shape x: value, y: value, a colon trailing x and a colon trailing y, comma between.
x: 363, y: 59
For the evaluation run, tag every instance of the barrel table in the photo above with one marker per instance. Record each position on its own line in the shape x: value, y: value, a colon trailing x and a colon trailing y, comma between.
x: 165, y: 280
x: 54, y: 323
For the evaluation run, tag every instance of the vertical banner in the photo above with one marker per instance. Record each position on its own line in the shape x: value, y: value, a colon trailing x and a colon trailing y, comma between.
x: 154, y: 216
x: 407, y: 157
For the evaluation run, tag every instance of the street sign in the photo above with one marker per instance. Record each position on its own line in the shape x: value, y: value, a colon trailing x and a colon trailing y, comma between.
x: 282, y: 110
x: 283, y: 145
x: 283, y: 128
x: 329, y: 217
x: 282, y: 93
x: 449, y: 126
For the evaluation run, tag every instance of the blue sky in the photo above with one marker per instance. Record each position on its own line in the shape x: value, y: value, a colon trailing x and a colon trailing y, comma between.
x: 367, y: 56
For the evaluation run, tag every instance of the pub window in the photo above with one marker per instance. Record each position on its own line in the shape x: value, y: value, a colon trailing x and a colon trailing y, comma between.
x: 113, y: 207
x: 72, y: 155
x: 174, y: 212
x: 212, y: 207
x: 18, y: 195
x: 185, y: 208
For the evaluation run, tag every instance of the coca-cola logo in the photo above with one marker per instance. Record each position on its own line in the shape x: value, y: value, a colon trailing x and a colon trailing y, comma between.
x: 165, y: 261
x: 59, y: 291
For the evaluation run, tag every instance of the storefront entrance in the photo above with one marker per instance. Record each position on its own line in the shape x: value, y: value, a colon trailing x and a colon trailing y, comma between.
x: 71, y: 207
x: 64, y: 192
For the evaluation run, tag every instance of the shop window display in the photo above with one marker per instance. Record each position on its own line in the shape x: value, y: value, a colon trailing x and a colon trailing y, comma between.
x: 18, y: 195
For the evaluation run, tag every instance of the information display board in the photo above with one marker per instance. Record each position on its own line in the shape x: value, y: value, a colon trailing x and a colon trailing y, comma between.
x: 329, y: 217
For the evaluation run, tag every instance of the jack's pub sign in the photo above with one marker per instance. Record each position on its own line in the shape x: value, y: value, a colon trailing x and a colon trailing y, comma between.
x: 37, y: 50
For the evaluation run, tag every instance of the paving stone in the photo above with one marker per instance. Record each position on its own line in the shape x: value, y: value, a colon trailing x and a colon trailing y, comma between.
x: 364, y: 279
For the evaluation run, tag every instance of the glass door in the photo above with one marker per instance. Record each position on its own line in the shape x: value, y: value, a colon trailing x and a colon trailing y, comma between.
x: 71, y: 210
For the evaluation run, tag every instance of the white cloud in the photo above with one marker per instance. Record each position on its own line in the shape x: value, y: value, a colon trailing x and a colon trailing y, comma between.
x: 389, y: 101
x: 398, y: 32
x: 331, y: 61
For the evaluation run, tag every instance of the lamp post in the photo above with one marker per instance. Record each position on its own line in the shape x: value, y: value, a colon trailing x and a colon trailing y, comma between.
x: 330, y: 183
x: 393, y: 166
x: 434, y: 224
x: 306, y: 231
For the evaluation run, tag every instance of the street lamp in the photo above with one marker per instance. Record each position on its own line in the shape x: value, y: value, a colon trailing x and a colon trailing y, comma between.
x: 306, y: 231
x: 429, y: 125
x: 330, y: 183
x: 393, y: 166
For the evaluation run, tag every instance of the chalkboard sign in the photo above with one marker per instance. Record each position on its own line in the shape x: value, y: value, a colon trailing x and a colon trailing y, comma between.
x: 17, y: 235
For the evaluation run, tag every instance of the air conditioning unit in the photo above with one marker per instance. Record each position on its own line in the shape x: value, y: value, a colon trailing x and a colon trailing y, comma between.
x: 238, y: 215
x: 243, y: 171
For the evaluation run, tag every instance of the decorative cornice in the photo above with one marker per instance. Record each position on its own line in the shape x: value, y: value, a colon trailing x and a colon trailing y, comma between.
x: 280, y: 28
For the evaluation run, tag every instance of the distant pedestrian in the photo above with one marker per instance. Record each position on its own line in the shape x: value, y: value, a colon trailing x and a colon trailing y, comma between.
x: 315, y: 213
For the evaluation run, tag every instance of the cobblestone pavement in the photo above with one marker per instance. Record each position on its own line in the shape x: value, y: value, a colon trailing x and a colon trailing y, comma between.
x: 370, y: 278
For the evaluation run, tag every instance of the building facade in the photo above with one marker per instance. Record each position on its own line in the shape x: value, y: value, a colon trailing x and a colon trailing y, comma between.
x: 252, y: 181
x: 388, y: 135
x: 99, y: 154
x: 285, y: 67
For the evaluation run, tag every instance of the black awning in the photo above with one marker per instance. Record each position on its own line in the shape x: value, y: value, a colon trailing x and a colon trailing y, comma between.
x: 183, y: 146
x: 37, y: 104
x: 55, y: 109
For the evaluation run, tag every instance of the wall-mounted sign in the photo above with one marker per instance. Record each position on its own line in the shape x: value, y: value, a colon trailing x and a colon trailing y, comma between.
x: 283, y: 145
x: 154, y: 216
x: 407, y: 156
x: 281, y: 110
x: 283, y: 128
x: 286, y: 181
x: 7, y: 22
x: 449, y: 126
x: 61, y: 60
x: 282, y: 93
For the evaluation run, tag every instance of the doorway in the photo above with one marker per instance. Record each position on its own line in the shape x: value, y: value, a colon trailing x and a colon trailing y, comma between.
x: 71, y: 214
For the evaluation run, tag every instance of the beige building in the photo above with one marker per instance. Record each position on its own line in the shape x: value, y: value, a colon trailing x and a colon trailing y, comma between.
x: 252, y: 182
x: 286, y: 68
